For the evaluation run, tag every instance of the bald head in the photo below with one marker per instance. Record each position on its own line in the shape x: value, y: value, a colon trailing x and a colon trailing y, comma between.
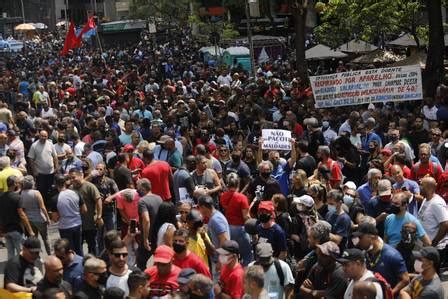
x: 365, y: 290
x: 53, y: 269
x: 428, y: 187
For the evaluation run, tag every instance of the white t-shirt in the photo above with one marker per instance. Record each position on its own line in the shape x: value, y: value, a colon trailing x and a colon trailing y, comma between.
x: 272, y: 282
x: 60, y: 149
x: 349, y: 291
x: 431, y: 214
x: 119, y: 282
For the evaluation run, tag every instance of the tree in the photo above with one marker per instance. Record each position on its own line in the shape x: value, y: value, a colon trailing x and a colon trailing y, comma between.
x: 170, y: 11
x: 369, y: 20
x: 299, y: 9
x: 434, y: 71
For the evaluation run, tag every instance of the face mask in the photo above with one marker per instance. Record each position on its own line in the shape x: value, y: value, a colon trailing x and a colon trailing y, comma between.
x: 408, y: 238
x: 393, y: 138
x: 264, y: 218
x: 265, y: 175
x: 348, y: 200
x: 179, y: 248
x: 140, y: 193
x: 418, y: 266
x: 394, y: 209
x: 223, y: 259
x: 355, y: 241
x: 102, y: 278
x: 371, y: 149
x: 331, y: 209
x: 236, y: 159
x: 61, y: 140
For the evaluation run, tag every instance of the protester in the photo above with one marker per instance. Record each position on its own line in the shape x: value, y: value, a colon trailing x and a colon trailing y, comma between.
x: 53, y: 278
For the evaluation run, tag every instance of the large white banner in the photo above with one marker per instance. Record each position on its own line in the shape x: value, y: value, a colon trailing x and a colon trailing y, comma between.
x: 391, y: 84
x: 276, y: 139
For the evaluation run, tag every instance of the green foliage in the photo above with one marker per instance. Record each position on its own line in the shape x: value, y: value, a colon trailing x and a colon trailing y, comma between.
x: 369, y: 20
x: 172, y: 10
x: 229, y: 31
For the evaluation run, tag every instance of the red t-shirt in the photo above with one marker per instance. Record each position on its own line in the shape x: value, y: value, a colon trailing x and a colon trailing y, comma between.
x: 130, y: 209
x: 233, y: 203
x: 335, y: 172
x: 194, y: 262
x: 136, y: 163
x: 432, y: 169
x: 163, y: 285
x: 232, y: 281
x: 158, y: 172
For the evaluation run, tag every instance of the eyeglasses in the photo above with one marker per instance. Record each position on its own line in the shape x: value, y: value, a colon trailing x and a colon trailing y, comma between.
x: 123, y: 254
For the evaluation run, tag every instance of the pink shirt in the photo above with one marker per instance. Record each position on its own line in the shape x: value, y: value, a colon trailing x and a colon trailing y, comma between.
x: 130, y: 209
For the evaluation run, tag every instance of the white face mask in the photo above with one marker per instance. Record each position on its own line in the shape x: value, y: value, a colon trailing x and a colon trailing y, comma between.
x: 418, y: 266
x: 223, y: 259
x: 355, y: 241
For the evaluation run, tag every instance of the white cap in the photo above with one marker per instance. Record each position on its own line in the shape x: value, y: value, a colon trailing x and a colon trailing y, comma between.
x: 350, y: 185
x: 305, y: 200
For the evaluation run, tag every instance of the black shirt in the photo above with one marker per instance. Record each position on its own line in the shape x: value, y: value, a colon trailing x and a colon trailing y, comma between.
x: 150, y: 203
x: 122, y: 177
x: 266, y: 189
x: 87, y: 291
x: 44, y: 285
x: 306, y: 163
x: 23, y: 273
x: 9, y: 217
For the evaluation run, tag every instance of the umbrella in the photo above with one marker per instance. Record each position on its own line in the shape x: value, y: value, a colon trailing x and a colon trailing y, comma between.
x: 40, y: 26
x: 25, y: 27
x: 357, y: 46
x: 378, y: 56
x: 406, y: 40
x: 321, y: 52
x: 61, y: 23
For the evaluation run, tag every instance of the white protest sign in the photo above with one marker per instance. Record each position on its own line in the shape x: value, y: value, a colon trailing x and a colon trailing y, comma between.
x: 391, y: 84
x: 276, y: 139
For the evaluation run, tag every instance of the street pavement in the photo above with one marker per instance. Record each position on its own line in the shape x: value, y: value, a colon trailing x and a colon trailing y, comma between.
x: 54, y: 235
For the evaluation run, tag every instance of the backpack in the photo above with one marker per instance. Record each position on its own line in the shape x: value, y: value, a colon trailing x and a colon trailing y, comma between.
x: 385, y: 286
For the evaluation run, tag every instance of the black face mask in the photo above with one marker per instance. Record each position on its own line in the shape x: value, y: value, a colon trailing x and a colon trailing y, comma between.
x: 265, y: 175
x: 236, y: 159
x: 408, y: 238
x: 102, y: 278
x: 179, y: 248
x: 394, y: 209
x: 61, y: 140
x: 264, y: 218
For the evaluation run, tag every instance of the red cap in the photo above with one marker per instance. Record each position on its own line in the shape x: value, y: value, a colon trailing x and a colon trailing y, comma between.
x: 163, y: 254
x: 386, y: 151
x: 266, y: 205
x: 128, y: 148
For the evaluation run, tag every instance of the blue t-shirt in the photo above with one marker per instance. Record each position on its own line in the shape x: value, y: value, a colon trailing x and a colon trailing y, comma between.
x: 393, y: 225
x: 365, y: 193
x: 273, y: 235
x: 73, y: 273
x: 376, y: 207
x: 365, y: 140
x: 281, y: 175
x: 217, y: 225
x: 390, y: 264
x: 342, y: 227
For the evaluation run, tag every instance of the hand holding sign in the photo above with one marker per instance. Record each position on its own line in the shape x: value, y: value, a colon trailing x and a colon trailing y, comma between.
x: 276, y: 139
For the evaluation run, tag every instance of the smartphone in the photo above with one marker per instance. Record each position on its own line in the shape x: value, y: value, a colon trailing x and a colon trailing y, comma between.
x: 133, y: 226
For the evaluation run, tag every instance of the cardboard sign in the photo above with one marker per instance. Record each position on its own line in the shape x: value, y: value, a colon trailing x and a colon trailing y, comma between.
x: 391, y: 84
x: 276, y: 139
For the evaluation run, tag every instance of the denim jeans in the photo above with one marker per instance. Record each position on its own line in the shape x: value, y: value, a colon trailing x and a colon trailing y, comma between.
x: 110, y: 223
x: 73, y: 234
x: 14, y: 241
x: 238, y: 234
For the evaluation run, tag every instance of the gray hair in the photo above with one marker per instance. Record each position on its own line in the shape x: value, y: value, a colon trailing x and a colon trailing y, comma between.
x: 144, y: 184
x: 325, y: 149
x: 128, y: 195
x: 367, y: 219
x: 321, y: 231
x: 372, y: 172
x: 27, y: 182
x: 255, y: 273
x: 268, y: 163
x: 233, y: 180
x: 5, y: 162
x: 92, y: 264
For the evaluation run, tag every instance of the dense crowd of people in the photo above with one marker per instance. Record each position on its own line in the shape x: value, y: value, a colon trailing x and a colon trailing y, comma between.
x: 154, y: 160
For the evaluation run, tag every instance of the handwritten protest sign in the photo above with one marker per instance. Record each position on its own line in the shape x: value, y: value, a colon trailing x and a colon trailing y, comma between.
x: 276, y: 139
x: 391, y: 84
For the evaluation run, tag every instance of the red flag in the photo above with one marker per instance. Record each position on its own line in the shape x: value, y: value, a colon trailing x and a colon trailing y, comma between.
x: 70, y: 39
x: 87, y: 26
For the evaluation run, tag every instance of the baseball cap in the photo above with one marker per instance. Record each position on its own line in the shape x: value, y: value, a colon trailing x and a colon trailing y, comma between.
x: 384, y: 188
x: 429, y: 253
x: 163, y: 254
x: 128, y: 148
x: 350, y: 185
x: 266, y: 205
x: 329, y: 248
x: 32, y: 244
x: 305, y: 200
x: 350, y: 255
x: 163, y: 139
x: 11, y: 132
x: 264, y: 250
x: 366, y: 228
x: 229, y: 247
x: 185, y: 275
x: 3, y: 127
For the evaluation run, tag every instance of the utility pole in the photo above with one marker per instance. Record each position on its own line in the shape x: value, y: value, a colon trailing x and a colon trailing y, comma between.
x: 249, y: 38
x: 23, y: 11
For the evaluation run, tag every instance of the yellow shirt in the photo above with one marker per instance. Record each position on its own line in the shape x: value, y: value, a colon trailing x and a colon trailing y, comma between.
x: 197, y: 246
x: 5, y: 174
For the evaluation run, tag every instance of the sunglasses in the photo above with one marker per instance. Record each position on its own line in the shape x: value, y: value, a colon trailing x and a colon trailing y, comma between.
x: 117, y: 255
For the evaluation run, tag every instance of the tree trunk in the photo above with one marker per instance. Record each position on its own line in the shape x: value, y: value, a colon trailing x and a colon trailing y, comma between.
x: 434, y: 72
x: 299, y: 28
